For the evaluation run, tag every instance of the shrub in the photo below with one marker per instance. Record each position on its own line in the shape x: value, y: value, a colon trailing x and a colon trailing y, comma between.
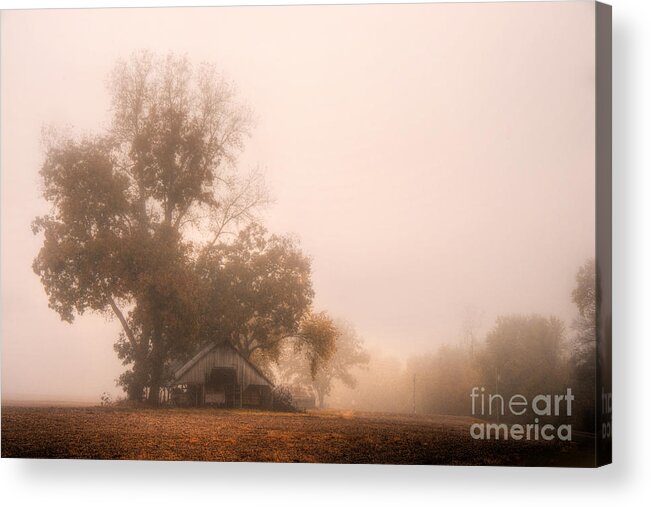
x: 282, y: 400
x: 106, y: 400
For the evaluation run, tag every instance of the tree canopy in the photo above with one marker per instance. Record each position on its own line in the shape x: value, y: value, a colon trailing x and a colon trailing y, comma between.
x: 259, y: 294
x: 141, y: 223
x: 524, y: 354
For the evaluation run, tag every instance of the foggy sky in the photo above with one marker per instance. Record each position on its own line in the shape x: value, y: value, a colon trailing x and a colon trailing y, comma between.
x: 431, y: 158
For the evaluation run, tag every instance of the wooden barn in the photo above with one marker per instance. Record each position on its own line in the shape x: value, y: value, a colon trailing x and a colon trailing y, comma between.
x: 219, y: 375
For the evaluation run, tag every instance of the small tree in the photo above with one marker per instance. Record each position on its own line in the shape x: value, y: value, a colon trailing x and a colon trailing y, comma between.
x: 349, y: 353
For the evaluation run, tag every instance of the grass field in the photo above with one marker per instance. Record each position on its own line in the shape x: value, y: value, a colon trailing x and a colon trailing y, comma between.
x: 239, y: 435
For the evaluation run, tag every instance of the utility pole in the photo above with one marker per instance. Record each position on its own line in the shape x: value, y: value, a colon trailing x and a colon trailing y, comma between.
x: 414, y: 395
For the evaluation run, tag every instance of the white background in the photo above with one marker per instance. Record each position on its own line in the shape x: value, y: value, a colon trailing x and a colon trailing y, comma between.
x: 627, y: 481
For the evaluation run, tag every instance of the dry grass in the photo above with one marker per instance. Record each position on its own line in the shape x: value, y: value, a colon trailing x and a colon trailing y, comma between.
x: 238, y: 435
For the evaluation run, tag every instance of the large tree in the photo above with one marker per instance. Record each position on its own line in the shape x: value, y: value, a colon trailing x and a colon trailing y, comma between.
x: 130, y: 208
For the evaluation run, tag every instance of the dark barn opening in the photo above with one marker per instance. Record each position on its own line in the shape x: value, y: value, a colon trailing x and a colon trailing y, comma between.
x: 221, y: 387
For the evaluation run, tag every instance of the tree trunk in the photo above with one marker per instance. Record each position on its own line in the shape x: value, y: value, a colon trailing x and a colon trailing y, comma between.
x: 136, y: 387
x: 154, y: 386
x: 321, y: 395
x: 156, y: 368
x: 137, y: 383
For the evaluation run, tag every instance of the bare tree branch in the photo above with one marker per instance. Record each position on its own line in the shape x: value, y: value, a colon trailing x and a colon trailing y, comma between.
x: 240, y: 204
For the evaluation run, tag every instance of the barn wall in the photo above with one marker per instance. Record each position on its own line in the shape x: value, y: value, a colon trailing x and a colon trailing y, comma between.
x: 222, y: 356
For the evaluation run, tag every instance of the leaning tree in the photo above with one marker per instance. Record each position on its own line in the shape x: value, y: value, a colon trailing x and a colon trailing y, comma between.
x: 132, y: 207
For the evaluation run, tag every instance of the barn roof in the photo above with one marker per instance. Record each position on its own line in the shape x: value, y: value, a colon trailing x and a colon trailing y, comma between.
x: 183, y: 368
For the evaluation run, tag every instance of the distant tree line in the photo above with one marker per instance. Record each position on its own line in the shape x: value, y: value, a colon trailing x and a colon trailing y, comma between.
x: 522, y: 354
